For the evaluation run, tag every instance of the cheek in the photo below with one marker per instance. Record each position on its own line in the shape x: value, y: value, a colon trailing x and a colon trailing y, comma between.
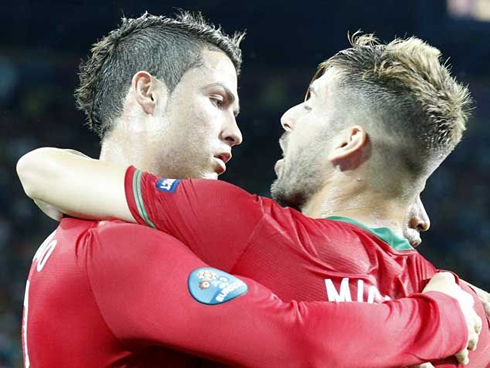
x: 302, y: 139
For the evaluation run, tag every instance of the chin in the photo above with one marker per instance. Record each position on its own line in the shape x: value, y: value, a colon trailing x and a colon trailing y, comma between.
x: 210, y: 176
x: 287, y: 197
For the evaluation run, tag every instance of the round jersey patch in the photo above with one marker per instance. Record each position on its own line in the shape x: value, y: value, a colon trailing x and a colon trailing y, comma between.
x: 211, y: 286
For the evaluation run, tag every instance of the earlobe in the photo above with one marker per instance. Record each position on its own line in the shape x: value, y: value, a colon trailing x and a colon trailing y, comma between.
x: 143, y: 87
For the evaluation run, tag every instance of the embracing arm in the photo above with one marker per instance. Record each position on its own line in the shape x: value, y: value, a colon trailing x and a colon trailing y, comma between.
x: 257, y: 329
x: 93, y: 189
x: 74, y: 184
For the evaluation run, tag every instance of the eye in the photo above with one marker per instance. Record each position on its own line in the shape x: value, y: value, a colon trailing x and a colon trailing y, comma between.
x: 307, y: 108
x: 218, y: 101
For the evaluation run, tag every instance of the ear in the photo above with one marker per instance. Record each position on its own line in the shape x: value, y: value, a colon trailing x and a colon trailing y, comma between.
x: 146, y: 90
x: 349, y: 143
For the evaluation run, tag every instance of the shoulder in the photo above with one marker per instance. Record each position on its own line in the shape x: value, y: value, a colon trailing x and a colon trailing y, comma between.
x: 120, y: 230
x: 117, y: 238
x: 219, y: 188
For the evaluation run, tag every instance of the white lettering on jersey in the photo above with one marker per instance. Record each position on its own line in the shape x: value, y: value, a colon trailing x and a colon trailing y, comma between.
x: 44, y: 252
x: 345, y: 294
x: 360, y: 290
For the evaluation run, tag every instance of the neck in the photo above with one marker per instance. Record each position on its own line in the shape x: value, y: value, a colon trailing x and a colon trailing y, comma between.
x: 113, y: 152
x: 352, y: 197
x: 125, y: 146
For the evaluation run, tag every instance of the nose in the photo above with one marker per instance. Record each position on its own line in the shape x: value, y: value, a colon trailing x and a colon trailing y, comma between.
x: 288, y: 119
x: 419, y: 224
x: 231, y: 134
x: 419, y: 219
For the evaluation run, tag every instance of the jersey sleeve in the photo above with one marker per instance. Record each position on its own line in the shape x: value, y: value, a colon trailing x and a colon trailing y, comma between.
x: 213, y: 218
x: 143, y: 295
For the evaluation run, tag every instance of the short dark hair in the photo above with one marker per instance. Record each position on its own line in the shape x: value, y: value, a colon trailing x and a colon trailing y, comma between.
x: 163, y: 46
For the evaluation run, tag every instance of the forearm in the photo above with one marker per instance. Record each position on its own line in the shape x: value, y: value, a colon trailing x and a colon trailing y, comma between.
x: 75, y: 185
x: 261, y: 330
x: 397, y: 333
x: 257, y: 329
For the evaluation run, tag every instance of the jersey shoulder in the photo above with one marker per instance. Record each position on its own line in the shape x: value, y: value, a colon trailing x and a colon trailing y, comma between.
x: 111, y: 240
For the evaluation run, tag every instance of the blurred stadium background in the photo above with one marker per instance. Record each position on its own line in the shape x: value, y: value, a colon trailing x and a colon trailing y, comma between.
x: 42, y: 43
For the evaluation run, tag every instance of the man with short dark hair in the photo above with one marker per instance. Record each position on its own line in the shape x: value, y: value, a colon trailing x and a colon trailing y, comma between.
x: 104, y: 264
x: 166, y: 65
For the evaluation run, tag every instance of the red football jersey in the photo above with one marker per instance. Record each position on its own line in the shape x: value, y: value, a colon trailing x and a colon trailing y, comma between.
x: 297, y: 257
x: 108, y: 294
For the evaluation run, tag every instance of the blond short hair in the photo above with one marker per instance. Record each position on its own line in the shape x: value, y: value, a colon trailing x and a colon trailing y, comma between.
x: 407, y: 78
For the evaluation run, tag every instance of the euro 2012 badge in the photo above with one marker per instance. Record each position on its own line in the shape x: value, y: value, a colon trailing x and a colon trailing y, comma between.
x: 211, y: 286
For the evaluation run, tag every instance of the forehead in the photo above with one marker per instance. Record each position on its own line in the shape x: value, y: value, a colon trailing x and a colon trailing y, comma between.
x: 216, y: 68
x: 323, y: 86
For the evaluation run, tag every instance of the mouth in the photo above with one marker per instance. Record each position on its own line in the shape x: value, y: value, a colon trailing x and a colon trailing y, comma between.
x: 220, y: 161
x: 278, y: 166
x: 415, y: 242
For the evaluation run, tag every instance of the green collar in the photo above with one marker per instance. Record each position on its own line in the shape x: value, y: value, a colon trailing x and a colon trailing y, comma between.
x: 383, y: 233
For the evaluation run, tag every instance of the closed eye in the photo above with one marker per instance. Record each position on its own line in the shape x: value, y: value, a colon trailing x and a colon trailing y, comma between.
x: 217, y: 101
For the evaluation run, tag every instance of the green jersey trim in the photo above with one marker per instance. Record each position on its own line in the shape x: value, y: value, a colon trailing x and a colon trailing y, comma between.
x: 383, y: 233
x: 138, y: 197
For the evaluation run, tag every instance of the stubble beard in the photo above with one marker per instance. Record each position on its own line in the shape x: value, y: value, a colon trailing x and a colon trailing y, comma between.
x: 298, y: 182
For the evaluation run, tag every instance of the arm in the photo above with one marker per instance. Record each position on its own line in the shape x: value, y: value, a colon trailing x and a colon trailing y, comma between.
x: 257, y: 329
x: 56, y: 180
x: 64, y: 180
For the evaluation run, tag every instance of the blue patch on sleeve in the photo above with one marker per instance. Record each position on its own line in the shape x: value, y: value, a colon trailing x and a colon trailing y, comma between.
x: 167, y: 185
x: 211, y: 286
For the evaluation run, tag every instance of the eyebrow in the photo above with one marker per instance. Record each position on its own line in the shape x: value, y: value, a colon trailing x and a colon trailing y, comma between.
x: 310, y: 91
x: 229, y: 95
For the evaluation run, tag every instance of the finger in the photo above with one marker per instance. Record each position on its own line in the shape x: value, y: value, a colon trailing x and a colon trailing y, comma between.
x: 463, y: 357
x: 473, y: 342
x: 473, y: 337
x: 424, y: 365
x: 478, y: 325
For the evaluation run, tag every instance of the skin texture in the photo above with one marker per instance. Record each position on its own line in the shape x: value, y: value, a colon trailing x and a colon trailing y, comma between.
x: 188, y: 134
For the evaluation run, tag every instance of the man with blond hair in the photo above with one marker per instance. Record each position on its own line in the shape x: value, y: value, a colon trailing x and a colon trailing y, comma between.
x: 377, y: 121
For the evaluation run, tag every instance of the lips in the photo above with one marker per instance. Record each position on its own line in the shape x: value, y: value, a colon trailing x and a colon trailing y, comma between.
x: 414, y: 241
x: 220, y: 166
x: 278, y: 166
x: 220, y: 161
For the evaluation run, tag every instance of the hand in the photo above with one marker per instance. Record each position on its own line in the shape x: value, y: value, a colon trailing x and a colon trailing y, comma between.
x: 483, y: 296
x: 424, y: 365
x: 444, y: 282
